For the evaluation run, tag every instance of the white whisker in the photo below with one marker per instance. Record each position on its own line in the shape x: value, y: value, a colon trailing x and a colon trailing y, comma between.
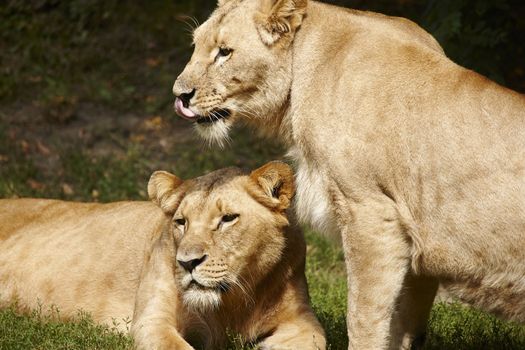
x: 195, y: 21
x: 245, y: 290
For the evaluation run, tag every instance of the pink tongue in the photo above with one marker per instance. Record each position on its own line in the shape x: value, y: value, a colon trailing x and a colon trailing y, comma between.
x: 183, y: 111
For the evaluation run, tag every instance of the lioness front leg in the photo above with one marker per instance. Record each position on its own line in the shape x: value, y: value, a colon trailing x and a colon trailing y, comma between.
x: 413, y: 309
x: 297, y: 327
x: 154, y: 323
x: 293, y: 336
x: 377, y: 256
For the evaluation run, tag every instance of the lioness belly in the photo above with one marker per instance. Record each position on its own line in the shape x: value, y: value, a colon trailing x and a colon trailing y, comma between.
x: 74, y: 256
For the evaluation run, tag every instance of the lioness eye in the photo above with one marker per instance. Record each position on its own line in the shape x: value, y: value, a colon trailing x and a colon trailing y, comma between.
x: 180, y: 222
x: 229, y: 217
x: 223, y: 52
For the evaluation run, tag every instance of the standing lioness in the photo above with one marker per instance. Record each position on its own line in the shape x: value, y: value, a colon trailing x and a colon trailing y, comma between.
x: 218, y: 255
x: 417, y: 163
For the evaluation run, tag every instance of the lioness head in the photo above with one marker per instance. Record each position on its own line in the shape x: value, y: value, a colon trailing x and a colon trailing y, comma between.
x: 241, y: 65
x: 228, y: 228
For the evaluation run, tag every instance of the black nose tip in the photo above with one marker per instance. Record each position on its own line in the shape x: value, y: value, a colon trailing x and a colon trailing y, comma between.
x: 186, y: 97
x: 190, y: 265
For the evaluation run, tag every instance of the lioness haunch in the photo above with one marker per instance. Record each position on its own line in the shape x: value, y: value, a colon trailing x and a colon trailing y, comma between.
x: 219, y: 254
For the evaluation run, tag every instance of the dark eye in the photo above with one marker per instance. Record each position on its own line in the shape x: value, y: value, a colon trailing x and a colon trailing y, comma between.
x: 223, y: 52
x: 229, y: 217
x: 180, y: 222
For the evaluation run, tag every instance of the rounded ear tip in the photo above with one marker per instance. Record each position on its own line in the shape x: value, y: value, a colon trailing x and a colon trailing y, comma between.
x: 276, y: 165
x: 281, y: 166
x: 158, y: 173
x: 276, y: 179
x: 152, y: 186
x: 152, y: 182
x: 160, y: 182
x: 279, y: 163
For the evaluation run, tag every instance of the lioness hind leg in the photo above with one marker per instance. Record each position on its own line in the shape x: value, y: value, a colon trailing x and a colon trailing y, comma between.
x: 409, y: 323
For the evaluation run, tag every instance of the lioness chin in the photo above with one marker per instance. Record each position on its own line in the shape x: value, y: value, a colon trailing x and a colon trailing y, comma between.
x: 219, y: 255
x: 415, y: 162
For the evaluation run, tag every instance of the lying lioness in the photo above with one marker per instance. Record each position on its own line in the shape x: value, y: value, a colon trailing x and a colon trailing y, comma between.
x: 416, y: 163
x: 220, y: 255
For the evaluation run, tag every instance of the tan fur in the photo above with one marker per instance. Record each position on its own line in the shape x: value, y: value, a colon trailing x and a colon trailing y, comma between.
x: 415, y: 162
x: 122, y: 261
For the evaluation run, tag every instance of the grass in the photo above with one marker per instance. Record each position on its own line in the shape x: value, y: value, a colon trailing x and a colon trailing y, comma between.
x: 326, y: 276
x: 453, y: 326
x: 40, y: 330
x: 85, y: 115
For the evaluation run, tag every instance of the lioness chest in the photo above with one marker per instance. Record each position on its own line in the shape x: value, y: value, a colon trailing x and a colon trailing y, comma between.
x: 312, y: 199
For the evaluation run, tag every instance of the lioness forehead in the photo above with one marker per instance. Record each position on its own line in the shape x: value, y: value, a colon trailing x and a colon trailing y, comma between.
x: 209, y: 29
x: 216, y: 179
x: 217, y: 185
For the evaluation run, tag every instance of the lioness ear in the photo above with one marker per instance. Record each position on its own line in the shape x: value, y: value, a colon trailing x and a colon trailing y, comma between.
x: 277, y: 18
x: 277, y: 183
x: 162, y: 189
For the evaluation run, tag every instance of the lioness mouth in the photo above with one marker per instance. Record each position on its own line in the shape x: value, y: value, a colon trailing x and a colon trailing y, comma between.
x: 221, y: 287
x: 184, y: 111
x: 214, y: 116
x: 196, y: 285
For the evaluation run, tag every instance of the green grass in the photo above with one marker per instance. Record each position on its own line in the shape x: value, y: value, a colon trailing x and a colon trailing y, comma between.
x: 40, y: 330
x: 453, y: 326
x: 327, y: 280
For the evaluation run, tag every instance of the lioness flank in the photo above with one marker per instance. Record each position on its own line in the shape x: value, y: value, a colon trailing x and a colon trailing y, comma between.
x: 416, y: 163
x: 219, y: 255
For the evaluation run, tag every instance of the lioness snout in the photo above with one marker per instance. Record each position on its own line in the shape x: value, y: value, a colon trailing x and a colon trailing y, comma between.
x: 186, y: 97
x: 191, y: 263
x: 183, y: 88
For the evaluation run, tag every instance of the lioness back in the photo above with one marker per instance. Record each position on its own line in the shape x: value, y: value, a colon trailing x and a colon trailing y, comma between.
x: 75, y: 255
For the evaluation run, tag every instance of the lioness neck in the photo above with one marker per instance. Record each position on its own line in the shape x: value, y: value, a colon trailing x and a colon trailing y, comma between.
x: 328, y: 36
x: 315, y: 38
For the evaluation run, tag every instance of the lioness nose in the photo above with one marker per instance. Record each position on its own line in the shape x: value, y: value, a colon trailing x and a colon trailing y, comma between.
x: 190, y: 265
x: 186, y: 97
